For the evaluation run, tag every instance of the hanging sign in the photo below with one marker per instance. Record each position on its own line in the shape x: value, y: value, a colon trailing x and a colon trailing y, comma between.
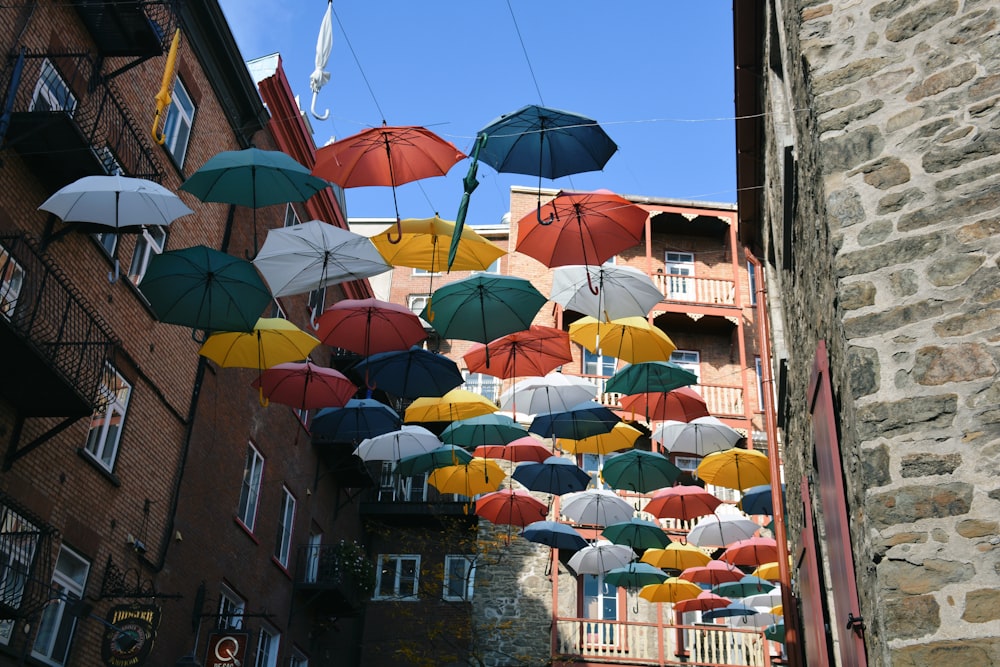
x: 129, y: 636
x: 227, y: 649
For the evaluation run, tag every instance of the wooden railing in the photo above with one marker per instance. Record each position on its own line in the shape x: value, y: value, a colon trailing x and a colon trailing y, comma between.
x: 696, y: 290
x: 721, y: 401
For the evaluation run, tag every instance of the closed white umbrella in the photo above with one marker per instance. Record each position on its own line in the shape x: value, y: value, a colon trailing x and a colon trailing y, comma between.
x: 407, y: 441
x: 600, y: 557
x: 622, y: 291
x: 324, y: 45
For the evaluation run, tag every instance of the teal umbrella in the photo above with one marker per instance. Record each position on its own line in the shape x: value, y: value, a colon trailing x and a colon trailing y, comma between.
x: 491, y: 429
x: 648, y: 376
x: 638, y: 534
x: 635, y: 575
x: 748, y: 585
x: 483, y: 307
x: 418, y: 464
x: 775, y: 632
x: 639, y: 470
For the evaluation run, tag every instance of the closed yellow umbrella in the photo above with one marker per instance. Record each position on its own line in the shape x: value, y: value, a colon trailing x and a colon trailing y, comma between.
x: 671, y: 590
x: 676, y: 556
x: 621, y: 436
x: 631, y: 339
x: 425, y: 243
x: 454, y: 405
x: 468, y: 479
x: 735, y: 469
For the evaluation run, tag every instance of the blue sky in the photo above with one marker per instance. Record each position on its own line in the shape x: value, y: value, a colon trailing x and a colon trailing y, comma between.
x: 656, y: 74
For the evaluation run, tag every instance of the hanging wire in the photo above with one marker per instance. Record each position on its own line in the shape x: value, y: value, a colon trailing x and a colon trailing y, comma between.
x: 357, y: 61
x: 525, y: 51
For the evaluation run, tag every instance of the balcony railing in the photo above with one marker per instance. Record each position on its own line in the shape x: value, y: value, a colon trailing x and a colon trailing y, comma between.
x: 675, y: 287
x: 129, y: 28
x: 721, y: 401
x: 330, y: 579
x: 26, y: 549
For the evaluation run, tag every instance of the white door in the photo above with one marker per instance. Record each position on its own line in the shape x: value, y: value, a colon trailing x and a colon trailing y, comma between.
x: 680, y: 275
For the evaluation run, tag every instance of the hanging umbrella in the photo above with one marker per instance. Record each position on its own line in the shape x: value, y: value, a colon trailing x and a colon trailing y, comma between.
x: 272, y: 341
x: 445, y: 455
x: 672, y: 589
x: 681, y: 404
x: 534, y: 351
x: 747, y: 585
x: 699, y: 437
x: 775, y: 632
x: 759, y: 500
x: 580, y: 421
x: 621, y: 436
x: 751, y: 551
x: 721, y: 531
x: 468, y: 479
x: 555, y: 474
x: 676, y: 556
x: 324, y: 45
x: 600, y: 557
x: 648, y: 376
x: 202, y: 288
x: 706, y: 600
x: 735, y: 469
x: 512, y: 507
x: 640, y: 471
x: 454, y: 405
x: 305, y: 386
x: 369, y: 326
x: 769, y: 571
x: 115, y: 204
x: 483, y: 307
x: 637, y: 533
x: 630, y: 339
x: 732, y: 610
x: 596, y: 507
x: 635, y: 575
x: 622, y: 291
x: 554, y: 392
x: 554, y: 534
x: 394, y: 445
x: 681, y: 502
x: 424, y: 245
x: 765, y: 601
x: 409, y: 373
x: 523, y: 449
x: 712, y: 573
x: 360, y: 418
x: 489, y: 429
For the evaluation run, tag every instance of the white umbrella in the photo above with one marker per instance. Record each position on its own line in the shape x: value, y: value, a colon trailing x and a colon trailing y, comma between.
x: 324, y: 45
x: 596, y: 507
x: 699, y: 437
x: 720, y: 531
x: 600, y: 557
x: 763, y: 601
x: 392, y: 446
x: 756, y: 621
x: 622, y: 291
x: 554, y: 392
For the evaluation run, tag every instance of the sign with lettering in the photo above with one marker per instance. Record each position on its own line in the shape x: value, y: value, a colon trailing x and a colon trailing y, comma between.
x: 227, y: 649
x: 129, y: 636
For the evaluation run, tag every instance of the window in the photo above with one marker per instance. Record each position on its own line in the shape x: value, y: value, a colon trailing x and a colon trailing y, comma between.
x: 267, y: 647
x: 109, y: 418
x: 231, y: 610
x: 291, y: 217
x: 425, y: 272
x: 11, y: 281
x: 313, y: 556
x: 55, y: 629
x: 52, y: 93
x: 592, y: 464
x: 485, y: 385
x: 298, y: 659
x: 283, y: 544
x: 417, y: 303
x: 459, y: 576
x: 18, y: 539
x: 752, y: 277
x: 492, y: 268
x: 397, y: 577
x: 687, y: 463
x: 398, y: 488
x: 249, y: 494
x: 600, y: 603
x: 680, y: 265
x: 177, y: 127
x: 760, y: 383
x: 108, y: 160
x: 689, y: 360
x: 150, y: 243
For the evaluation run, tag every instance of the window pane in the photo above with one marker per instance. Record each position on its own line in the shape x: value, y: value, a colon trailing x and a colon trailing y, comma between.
x: 56, y: 627
x: 387, y: 577
x: 250, y: 490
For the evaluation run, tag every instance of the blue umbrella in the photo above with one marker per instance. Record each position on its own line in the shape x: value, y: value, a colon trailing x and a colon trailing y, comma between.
x: 556, y: 475
x: 635, y: 575
x: 580, y: 421
x: 554, y: 534
x: 360, y: 418
x: 735, y: 609
x: 758, y: 500
x: 409, y: 373
x: 445, y: 455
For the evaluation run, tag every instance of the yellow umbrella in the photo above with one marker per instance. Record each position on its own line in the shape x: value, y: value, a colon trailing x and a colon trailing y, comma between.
x: 676, y: 556
x: 671, y: 590
x: 425, y: 242
x: 621, y: 436
x: 454, y: 405
x: 631, y: 339
x: 735, y: 468
x: 770, y: 571
x: 777, y: 610
x: 468, y: 479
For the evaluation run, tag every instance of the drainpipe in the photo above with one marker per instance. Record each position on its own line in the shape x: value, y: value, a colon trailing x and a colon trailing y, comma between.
x: 15, y: 82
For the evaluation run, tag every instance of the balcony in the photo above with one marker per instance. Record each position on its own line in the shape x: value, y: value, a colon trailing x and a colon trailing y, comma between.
x: 329, y: 580
x: 140, y: 28
x: 688, y: 289
x: 26, y: 550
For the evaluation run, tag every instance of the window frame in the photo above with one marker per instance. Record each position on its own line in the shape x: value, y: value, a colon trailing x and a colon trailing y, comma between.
x: 17, y: 558
x: 286, y: 526
x: 12, y: 278
x: 269, y: 640
x: 398, y: 577
x: 297, y: 658
x: 146, y: 246
x: 680, y: 284
x: 253, y: 466
x: 752, y: 282
x: 689, y: 360
x: 487, y: 386
x: 232, y: 609
x: 55, y: 618
x: 45, y: 90
x: 100, y: 449
x: 180, y: 115
x: 412, y: 298
x: 468, y: 576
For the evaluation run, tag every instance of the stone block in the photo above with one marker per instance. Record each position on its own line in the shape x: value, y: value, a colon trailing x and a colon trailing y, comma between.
x: 875, y: 466
x: 967, y: 651
x: 912, y: 503
x: 911, y: 616
x: 875, y: 233
x: 954, y: 270
x: 844, y: 208
x: 901, y: 251
x: 885, y: 173
x: 982, y: 606
x: 943, y: 158
x: 968, y: 323
x: 856, y: 295
x: 852, y: 149
x: 972, y: 528
x: 925, y: 463
x: 920, y: 19
x: 904, y: 283
x: 895, y: 201
x: 941, y: 81
x: 934, y: 365
x: 863, y: 369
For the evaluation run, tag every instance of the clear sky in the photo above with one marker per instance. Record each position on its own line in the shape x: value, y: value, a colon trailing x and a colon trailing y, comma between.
x: 656, y: 74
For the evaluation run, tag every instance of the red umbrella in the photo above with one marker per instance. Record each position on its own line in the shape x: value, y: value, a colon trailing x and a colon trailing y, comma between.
x: 714, y: 573
x: 681, y: 502
x: 703, y: 602
x: 305, y: 386
x: 522, y: 449
x: 682, y: 404
x: 751, y: 551
x: 369, y: 326
x: 511, y: 506
x: 534, y: 351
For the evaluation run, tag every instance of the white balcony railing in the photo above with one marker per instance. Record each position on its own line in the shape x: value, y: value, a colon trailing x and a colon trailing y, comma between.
x: 696, y: 290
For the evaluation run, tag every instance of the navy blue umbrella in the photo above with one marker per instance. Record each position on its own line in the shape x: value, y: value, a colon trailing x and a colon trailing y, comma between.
x: 555, y: 475
x: 758, y: 500
x: 360, y: 418
x: 409, y: 373
x: 554, y: 534
x: 580, y: 421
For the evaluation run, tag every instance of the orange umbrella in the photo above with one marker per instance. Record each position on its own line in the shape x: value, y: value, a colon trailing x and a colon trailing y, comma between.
x: 534, y: 351
x: 681, y: 502
x: 713, y: 573
x: 751, y: 551
x: 706, y: 600
x: 682, y: 404
x: 511, y: 506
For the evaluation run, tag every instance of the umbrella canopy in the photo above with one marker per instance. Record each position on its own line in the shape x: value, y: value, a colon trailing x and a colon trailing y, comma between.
x: 445, y: 455
x: 622, y: 291
x: 555, y: 474
x: 731, y: 610
x: 681, y: 404
x: 735, y: 468
x: 751, y: 551
x: 394, y: 445
x: 521, y: 450
x: 511, y: 506
x: 747, y: 585
x: 252, y: 177
x: 314, y: 254
x: 649, y: 376
x: 676, y: 556
x: 468, y: 479
x: 305, y: 386
x: 621, y: 436
x: 424, y: 245
x: 635, y: 575
x: 369, y: 326
x: 554, y: 534
x: 712, y: 573
x: 554, y: 392
x: 672, y: 589
x: 601, y: 557
x: 721, y: 531
x: 534, y: 351
x: 699, y: 437
x: 596, y: 507
x: 272, y: 341
x: 763, y: 601
x: 759, y: 499
x: 775, y: 632
x: 489, y: 429
x: 706, y: 600
x: 630, y: 339
x: 769, y: 571
x: 637, y: 533
x: 681, y: 502
x: 360, y: 418
x: 454, y: 405
x: 483, y: 307
x: 638, y: 470
x: 202, y: 288
x: 580, y: 421
x: 324, y: 45
x: 409, y: 373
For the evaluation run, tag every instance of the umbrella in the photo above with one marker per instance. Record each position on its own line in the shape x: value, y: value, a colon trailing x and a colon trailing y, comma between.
x: 445, y: 455
x: 324, y: 45
x: 681, y: 502
x: 483, y: 307
x: 202, y: 288
x: 764, y: 601
x: 456, y: 404
x: 555, y: 474
x: 596, y: 507
x: 681, y: 404
x: 729, y: 611
x: 706, y: 600
x: 314, y: 254
x: 580, y: 421
x: 747, y: 585
x: 721, y: 531
x: 622, y: 291
x: 672, y: 589
x: 424, y: 245
x: 621, y: 436
x: 305, y: 386
x: 712, y: 573
x: 775, y: 632
x: 534, y: 351
x: 601, y: 557
x: 676, y: 556
x: 640, y: 471
x: 468, y: 479
x: 511, y: 506
x: 637, y: 533
x: 409, y: 373
x: 369, y: 326
x: 635, y: 575
x: 735, y: 468
x: 115, y: 204
x: 649, y: 376
x: 554, y: 534
x: 630, y: 339
x: 751, y: 551
x: 489, y: 429
x: 360, y: 418
x: 699, y: 437
x: 388, y: 156
x: 769, y: 571
x: 523, y: 449
x: 554, y: 392
x: 758, y: 499
x: 394, y: 445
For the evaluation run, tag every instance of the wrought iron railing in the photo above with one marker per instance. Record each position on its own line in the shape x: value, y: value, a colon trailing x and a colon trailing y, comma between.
x: 25, y: 560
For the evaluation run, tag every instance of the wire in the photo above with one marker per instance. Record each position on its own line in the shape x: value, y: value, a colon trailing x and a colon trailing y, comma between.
x: 360, y: 68
x: 525, y: 51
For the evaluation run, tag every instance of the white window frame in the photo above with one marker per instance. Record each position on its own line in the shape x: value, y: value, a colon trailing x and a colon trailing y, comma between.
x: 493, y: 269
x: 57, y: 626
x: 298, y: 658
x: 17, y: 553
x: 417, y: 302
x: 395, y: 592
x: 599, y: 634
x: 268, y: 645
x: 759, y: 370
x: 425, y: 272
x: 401, y: 488
x: 11, y: 281
x: 151, y: 242
x: 487, y: 386
x: 592, y: 464
x: 467, y: 576
x: 752, y: 282
x: 253, y: 474
x: 689, y: 360
x: 679, y: 267
x: 53, y: 91
x: 291, y: 216
x: 180, y: 120
x: 231, y: 609
x: 687, y: 463
x: 315, y: 550
x: 105, y: 435
x: 286, y: 523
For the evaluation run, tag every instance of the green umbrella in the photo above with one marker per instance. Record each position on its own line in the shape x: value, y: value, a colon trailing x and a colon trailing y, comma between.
x: 638, y: 534
x: 639, y: 470
x: 648, y: 376
x: 491, y: 429
x: 635, y: 575
x: 205, y: 289
x: 775, y: 632
x: 470, y: 183
x: 483, y: 307
x: 418, y: 464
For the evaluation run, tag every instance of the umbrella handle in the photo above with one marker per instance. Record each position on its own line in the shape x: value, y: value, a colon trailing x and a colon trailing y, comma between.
x: 264, y: 401
x: 399, y: 233
x: 114, y: 275
x: 542, y: 221
x: 313, y: 322
x: 312, y: 108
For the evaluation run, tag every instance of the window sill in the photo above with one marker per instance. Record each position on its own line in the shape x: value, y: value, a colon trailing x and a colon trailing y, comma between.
x: 246, y: 530
x: 107, y: 474
x: 283, y: 568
